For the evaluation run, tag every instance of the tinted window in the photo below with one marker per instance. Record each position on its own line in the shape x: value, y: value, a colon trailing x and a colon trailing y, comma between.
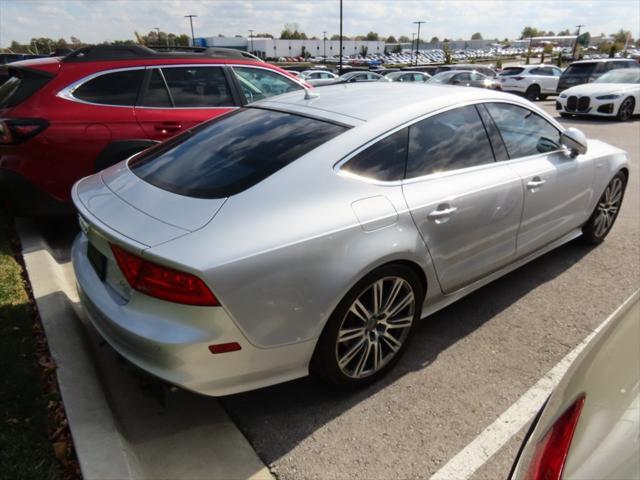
x: 448, y: 141
x: 580, y: 69
x: 524, y: 133
x: 258, y: 83
x: 510, y: 71
x: 198, y: 87
x: 156, y: 94
x: 20, y: 85
x: 117, y: 88
x: 462, y: 77
x: 540, y: 71
x: 384, y: 160
x: 232, y: 153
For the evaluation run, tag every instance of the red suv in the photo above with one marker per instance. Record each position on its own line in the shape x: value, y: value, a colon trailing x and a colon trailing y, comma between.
x: 65, y: 118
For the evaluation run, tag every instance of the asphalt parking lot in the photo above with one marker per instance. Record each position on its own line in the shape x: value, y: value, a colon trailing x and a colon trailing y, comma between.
x: 466, y: 366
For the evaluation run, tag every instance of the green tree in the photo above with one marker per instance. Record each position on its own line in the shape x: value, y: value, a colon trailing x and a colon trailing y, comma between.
x: 372, y: 37
x: 263, y: 35
x: 563, y: 33
x: 435, y: 39
x: 447, y: 53
x: 391, y: 39
x: 528, y: 32
x: 404, y: 39
x: 584, y: 39
x: 476, y: 36
x: 621, y: 36
x: 337, y: 37
x: 291, y: 32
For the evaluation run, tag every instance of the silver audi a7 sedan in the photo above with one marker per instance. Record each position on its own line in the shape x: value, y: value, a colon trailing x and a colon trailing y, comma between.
x: 309, y: 233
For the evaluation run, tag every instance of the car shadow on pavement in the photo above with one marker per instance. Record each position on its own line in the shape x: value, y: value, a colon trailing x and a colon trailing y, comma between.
x: 275, y: 419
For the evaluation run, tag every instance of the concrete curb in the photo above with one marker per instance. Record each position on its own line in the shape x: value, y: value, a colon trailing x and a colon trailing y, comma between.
x: 122, y: 429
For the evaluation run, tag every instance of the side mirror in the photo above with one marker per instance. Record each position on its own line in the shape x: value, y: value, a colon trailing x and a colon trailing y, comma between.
x: 574, y: 140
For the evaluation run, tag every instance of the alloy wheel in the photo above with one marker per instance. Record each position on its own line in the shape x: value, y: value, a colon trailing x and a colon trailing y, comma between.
x: 608, y: 207
x: 375, y: 327
x: 626, y: 110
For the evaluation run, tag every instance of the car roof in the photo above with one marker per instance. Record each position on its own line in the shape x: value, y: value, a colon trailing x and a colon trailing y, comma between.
x: 602, y: 60
x: 383, y: 102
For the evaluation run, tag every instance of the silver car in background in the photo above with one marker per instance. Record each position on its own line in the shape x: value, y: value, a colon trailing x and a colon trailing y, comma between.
x: 590, y: 424
x: 310, y: 232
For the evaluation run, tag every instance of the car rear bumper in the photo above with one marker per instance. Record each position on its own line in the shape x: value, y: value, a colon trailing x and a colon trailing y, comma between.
x: 25, y: 198
x: 171, y: 341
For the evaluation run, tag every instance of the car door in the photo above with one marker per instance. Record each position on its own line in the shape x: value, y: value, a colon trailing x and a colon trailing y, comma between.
x: 557, y: 188
x: 177, y: 97
x: 477, y: 80
x: 466, y: 205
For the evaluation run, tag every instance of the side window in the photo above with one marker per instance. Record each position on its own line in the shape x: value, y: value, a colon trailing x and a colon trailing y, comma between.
x: 524, y: 132
x: 556, y: 72
x: 198, y: 87
x: 476, y: 77
x: 156, y: 94
x: 259, y: 83
x: 448, y: 141
x: 462, y: 77
x: 384, y: 160
x: 620, y: 64
x: 117, y: 88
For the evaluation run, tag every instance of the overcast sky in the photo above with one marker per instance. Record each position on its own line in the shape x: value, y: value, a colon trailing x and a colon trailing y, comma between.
x: 99, y: 20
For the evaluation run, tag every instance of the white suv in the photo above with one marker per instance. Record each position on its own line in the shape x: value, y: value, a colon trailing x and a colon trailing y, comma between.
x: 534, y: 81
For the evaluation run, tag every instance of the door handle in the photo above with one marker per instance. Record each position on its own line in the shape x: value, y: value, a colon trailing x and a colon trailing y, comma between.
x: 535, y: 183
x: 167, y: 127
x: 442, y: 213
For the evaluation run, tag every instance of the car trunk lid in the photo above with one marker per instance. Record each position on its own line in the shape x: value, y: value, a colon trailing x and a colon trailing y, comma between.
x: 132, y: 208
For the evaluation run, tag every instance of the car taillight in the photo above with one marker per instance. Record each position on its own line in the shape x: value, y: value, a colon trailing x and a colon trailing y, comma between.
x: 163, y: 282
x: 18, y: 130
x: 551, y: 452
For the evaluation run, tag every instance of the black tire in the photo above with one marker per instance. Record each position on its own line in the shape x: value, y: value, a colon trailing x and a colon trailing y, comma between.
x: 532, y: 93
x: 325, y: 364
x: 542, y: 97
x: 594, y: 232
x: 625, y: 112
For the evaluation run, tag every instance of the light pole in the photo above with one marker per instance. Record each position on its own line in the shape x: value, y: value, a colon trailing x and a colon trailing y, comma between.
x: 413, y: 39
x: 251, y: 38
x: 340, y: 68
x: 193, y: 37
x: 419, y: 22
x: 324, y: 42
x: 575, y: 43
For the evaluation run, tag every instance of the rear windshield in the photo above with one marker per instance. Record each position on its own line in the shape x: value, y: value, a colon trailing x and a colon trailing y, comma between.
x: 580, y: 69
x: 20, y: 85
x: 232, y: 153
x: 511, y: 71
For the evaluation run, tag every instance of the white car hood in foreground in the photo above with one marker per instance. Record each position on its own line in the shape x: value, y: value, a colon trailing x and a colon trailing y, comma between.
x: 597, y: 89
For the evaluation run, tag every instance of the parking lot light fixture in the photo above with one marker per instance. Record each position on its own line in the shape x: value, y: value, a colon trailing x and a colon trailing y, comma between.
x: 419, y: 22
x: 193, y: 37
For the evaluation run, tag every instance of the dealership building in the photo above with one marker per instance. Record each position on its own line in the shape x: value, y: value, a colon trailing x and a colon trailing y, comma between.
x: 274, y: 48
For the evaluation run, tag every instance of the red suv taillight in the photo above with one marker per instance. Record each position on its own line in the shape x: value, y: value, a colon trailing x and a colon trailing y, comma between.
x: 551, y: 452
x: 18, y: 130
x: 163, y: 282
